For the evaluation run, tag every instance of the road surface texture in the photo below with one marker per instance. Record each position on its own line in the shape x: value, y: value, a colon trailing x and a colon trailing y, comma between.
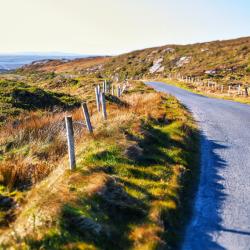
x: 221, y: 217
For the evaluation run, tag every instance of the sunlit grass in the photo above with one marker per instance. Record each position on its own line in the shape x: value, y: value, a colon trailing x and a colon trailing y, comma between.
x: 127, y: 191
x: 192, y: 88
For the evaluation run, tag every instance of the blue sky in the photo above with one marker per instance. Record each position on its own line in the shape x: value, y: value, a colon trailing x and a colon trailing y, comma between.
x: 117, y: 26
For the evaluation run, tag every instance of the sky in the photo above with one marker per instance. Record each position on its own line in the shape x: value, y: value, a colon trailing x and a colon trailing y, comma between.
x: 102, y: 27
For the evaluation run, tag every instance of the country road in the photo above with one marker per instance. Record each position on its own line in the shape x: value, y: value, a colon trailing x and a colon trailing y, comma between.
x: 221, y: 218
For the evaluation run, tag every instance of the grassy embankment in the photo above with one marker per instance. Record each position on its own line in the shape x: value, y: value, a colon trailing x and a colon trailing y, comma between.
x: 19, y: 97
x: 131, y: 189
x: 30, y: 140
x: 201, y: 90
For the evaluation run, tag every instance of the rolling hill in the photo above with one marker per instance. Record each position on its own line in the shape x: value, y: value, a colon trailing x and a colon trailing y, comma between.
x: 224, y: 61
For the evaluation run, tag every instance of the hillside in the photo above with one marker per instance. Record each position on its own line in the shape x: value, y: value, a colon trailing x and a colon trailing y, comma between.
x: 127, y: 189
x: 135, y: 176
x: 218, y: 60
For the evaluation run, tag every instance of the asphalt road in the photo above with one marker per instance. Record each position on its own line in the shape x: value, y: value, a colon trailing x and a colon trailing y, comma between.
x: 221, y: 218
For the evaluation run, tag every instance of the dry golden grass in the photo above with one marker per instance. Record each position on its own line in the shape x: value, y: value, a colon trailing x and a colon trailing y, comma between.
x: 44, y: 204
x: 19, y: 172
x: 211, y: 92
x: 21, y: 169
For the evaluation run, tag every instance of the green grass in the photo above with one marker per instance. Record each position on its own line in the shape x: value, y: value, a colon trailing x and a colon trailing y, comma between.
x: 16, y: 97
x: 145, y: 198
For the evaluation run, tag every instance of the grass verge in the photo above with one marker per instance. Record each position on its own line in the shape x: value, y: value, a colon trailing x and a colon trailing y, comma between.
x: 192, y: 88
x: 132, y: 188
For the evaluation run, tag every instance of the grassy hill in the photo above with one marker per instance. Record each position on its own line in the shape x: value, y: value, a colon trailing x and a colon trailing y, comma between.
x: 218, y: 60
x: 135, y: 175
x: 127, y: 190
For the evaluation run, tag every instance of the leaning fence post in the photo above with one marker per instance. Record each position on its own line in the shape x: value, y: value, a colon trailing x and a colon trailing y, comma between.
x: 87, y: 118
x: 104, y: 112
x: 70, y: 140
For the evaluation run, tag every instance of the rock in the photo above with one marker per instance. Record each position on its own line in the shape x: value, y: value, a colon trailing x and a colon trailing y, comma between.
x: 204, y: 49
x: 156, y: 66
x: 86, y: 224
x: 211, y: 72
x: 169, y: 50
x: 183, y: 60
x: 5, y: 202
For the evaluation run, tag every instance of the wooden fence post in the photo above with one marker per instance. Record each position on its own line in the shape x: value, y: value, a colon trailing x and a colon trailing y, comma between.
x: 87, y: 118
x: 123, y: 88
x: 246, y: 91
x: 104, y: 112
x: 97, y: 97
x: 104, y: 87
x: 70, y: 141
x: 98, y: 90
x: 108, y: 87
x: 239, y: 89
x: 118, y: 91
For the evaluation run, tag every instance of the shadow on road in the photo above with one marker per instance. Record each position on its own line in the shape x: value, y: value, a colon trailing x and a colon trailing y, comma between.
x: 205, y: 226
x: 234, y: 231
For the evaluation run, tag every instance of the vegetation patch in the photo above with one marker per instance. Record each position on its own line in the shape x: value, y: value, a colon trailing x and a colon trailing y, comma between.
x: 191, y: 87
x: 18, y: 96
x: 132, y: 186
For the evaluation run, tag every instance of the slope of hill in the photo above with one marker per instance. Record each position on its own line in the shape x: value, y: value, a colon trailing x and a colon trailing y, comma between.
x: 126, y: 191
x: 220, y: 60
x: 144, y: 154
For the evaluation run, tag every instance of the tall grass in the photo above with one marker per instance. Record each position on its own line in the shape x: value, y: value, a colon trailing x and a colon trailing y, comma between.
x: 31, y: 147
x: 125, y: 192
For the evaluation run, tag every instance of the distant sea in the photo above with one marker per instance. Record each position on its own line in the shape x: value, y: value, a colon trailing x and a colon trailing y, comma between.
x: 11, y: 62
